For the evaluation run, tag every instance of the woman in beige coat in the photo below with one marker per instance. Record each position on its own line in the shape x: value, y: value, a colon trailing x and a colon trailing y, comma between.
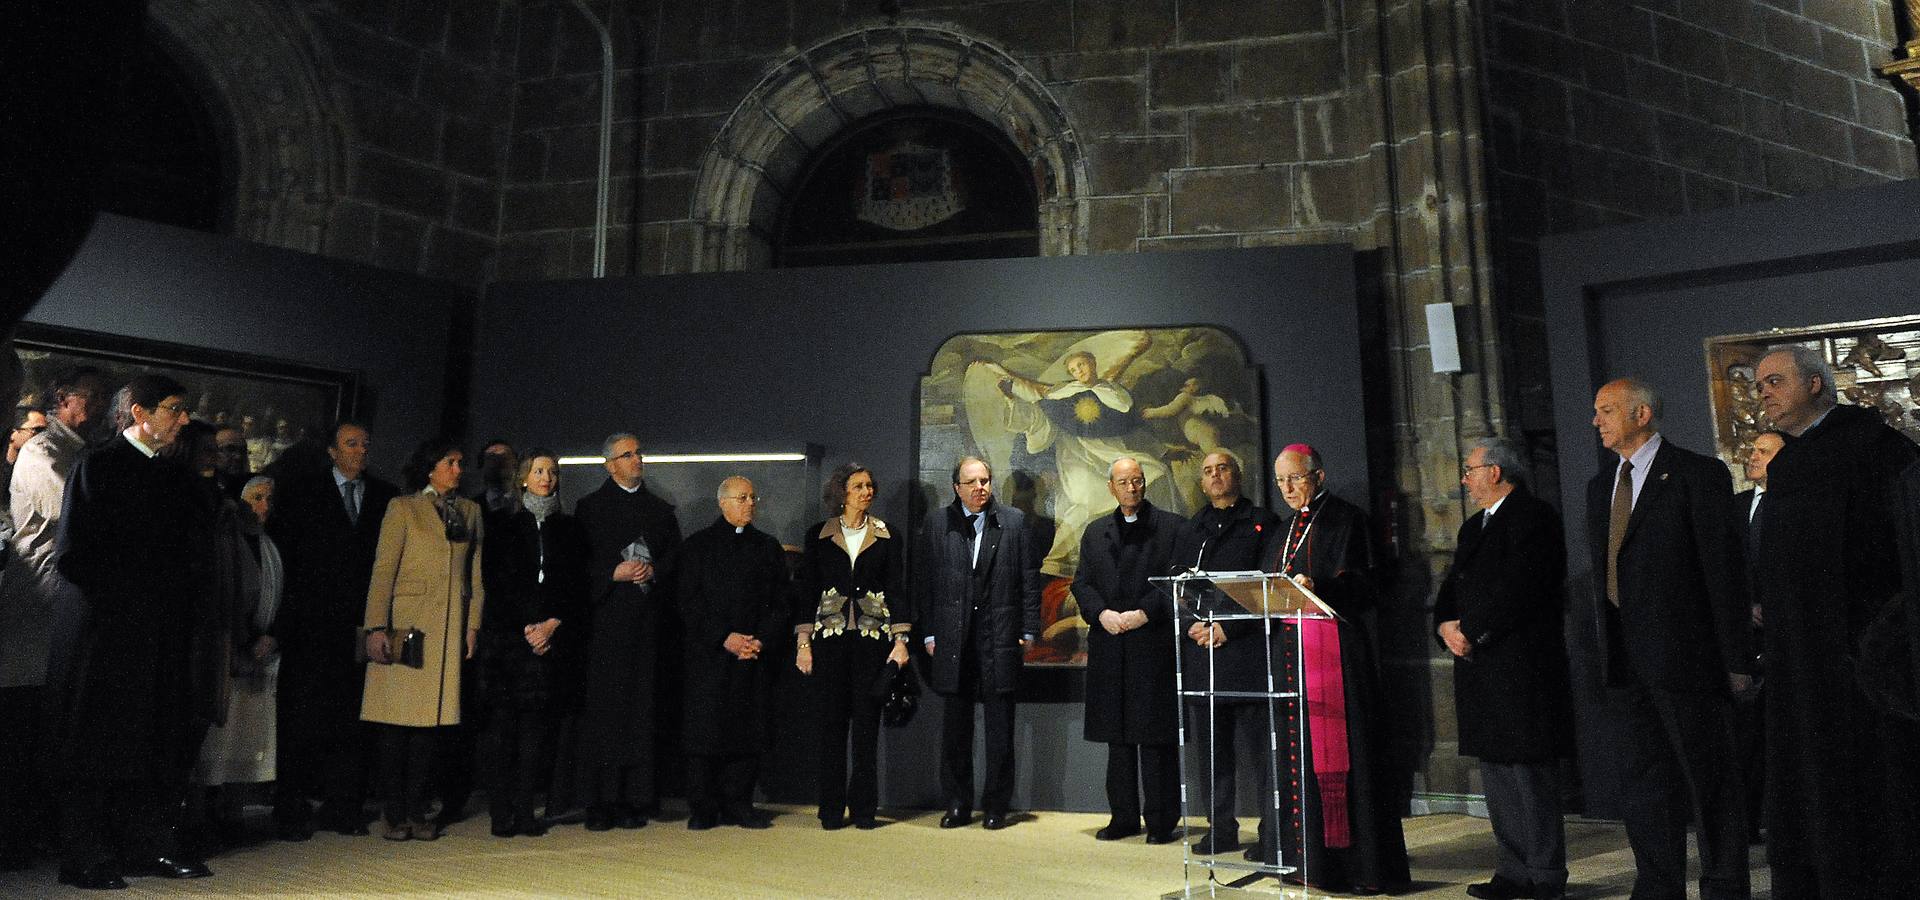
x: 426, y: 577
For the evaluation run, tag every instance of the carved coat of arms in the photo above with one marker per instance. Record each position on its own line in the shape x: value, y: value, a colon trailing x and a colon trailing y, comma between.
x: 909, y: 187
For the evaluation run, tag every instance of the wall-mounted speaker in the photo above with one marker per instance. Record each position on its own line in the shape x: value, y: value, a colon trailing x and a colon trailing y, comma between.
x: 1443, y: 339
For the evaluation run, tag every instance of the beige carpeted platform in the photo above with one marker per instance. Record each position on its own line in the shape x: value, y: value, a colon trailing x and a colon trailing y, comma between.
x: 1043, y: 855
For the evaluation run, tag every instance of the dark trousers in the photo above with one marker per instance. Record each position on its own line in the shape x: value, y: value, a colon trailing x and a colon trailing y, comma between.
x: 23, y: 802
x: 845, y: 668
x: 406, y: 771
x: 1235, y: 726
x: 1156, y: 767
x: 1680, y: 764
x: 1796, y: 882
x: 516, y: 747
x: 721, y: 784
x: 956, y: 751
x: 324, y: 757
x: 1523, y: 805
x: 455, y: 767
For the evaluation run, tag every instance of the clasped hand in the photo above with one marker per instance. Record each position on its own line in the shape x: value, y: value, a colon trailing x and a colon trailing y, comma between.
x: 1121, y: 622
x: 637, y: 571
x: 743, y: 646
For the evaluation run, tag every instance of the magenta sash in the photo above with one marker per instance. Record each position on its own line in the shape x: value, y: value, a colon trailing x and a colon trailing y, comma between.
x: 1326, y: 717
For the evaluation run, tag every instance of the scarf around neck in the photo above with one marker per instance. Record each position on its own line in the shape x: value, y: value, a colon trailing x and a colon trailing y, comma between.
x: 541, y: 507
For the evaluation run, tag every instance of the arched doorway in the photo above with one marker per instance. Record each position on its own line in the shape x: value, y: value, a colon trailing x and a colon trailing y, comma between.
x: 910, y: 184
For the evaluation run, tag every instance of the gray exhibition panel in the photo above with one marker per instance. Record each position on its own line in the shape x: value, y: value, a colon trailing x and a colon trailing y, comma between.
x: 1642, y: 299
x: 155, y: 282
x: 781, y: 359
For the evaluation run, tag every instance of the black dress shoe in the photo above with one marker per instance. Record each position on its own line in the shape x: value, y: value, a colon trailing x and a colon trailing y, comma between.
x: 702, y: 822
x: 994, y: 821
x: 865, y: 823
x: 1500, y: 889
x: 957, y: 818
x: 1215, y: 842
x: 505, y: 829
x: 534, y: 827
x: 834, y: 824
x: 1165, y: 837
x: 599, y: 820
x: 631, y: 820
x: 169, y: 867
x: 752, y: 819
x: 1115, y: 831
x: 1254, y: 853
x: 98, y: 877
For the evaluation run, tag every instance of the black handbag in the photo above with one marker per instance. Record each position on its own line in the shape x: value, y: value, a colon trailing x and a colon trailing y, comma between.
x: 900, y: 692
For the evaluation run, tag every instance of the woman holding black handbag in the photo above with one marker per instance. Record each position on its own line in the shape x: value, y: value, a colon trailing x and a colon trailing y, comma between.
x: 530, y: 637
x: 851, y: 626
x: 423, y: 617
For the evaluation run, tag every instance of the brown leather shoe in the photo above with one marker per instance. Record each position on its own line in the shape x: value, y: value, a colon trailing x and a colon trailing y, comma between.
x: 425, y: 829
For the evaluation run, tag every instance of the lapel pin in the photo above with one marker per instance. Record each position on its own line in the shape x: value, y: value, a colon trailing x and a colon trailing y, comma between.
x: 1663, y: 475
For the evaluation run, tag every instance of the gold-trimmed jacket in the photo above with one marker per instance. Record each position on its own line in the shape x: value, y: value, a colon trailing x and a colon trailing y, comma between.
x: 865, y: 597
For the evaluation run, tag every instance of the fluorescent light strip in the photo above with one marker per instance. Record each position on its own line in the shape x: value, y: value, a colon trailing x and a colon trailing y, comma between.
x: 691, y: 458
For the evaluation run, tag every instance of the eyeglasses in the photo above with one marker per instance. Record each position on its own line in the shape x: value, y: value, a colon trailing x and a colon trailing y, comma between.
x: 30, y: 429
x: 178, y: 409
x: 1130, y: 482
x: 1468, y: 470
x: 977, y: 482
x: 1296, y: 479
x: 744, y: 498
x: 630, y: 454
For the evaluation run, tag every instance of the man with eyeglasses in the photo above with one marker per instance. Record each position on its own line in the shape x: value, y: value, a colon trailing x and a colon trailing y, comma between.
x: 1130, y: 702
x: 731, y: 584
x: 1840, y: 773
x: 634, y: 537
x: 29, y: 592
x: 234, y: 469
x: 134, y: 712
x: 1499, y: 612
x: 1351, y: 837
x: 977, y: 594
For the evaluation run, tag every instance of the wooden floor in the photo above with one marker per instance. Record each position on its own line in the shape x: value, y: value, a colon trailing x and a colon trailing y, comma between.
x: 1043, y: 855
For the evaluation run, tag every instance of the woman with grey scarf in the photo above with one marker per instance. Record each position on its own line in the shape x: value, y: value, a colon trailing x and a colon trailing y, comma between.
x: 531, y: 638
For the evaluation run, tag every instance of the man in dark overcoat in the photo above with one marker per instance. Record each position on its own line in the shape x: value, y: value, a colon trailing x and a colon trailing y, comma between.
x: 1352, y: 837
x: 1130, y: 655
x: 1500, y: 613
x: 1841, y: 798
x: 1749, y: 712
x: 732, y: 587
x: 327, y: 525
x: 1672, y: 619
x: 133, y: 544
x: 977, y: 594
x: 1228, y: 536
x: 634, y: 537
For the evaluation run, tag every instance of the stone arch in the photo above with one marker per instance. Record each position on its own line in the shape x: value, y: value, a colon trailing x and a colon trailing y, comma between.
x: 256, y: 59
x: 752, y: 164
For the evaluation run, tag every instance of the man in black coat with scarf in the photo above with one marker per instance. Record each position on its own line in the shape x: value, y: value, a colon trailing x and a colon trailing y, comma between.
x: 133, y: 544
x: 1352, y: 837
x: 1229, y: 535
x: 977, y: 579
x: 1841, y: 796
x: 327, y: 525
x: 634, y: 537
x: 1130, y: 655
x: 732, y: 586
x: 1499, y: 612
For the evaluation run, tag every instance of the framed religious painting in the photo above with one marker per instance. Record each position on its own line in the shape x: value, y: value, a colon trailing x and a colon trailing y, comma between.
x: 1051, y: 410
x: 275, y: 403
x: 1876, y: 364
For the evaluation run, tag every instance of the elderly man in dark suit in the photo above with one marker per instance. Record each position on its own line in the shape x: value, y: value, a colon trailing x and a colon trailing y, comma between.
x: 1130, y: 656
x: 977, y: 584
x: 1499, y: 613
x: 1841, y: 774
x: 134, y: 544
x: 1672, y: 621
x: 327, y: 525
x: 1228, y: 536
x: 1749, y: 719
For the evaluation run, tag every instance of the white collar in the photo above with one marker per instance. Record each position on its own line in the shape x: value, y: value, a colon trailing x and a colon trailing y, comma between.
x: 1496, y: 505
x: 130, y: 435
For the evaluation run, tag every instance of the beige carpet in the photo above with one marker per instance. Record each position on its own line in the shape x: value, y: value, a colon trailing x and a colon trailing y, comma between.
x: 1043, y: 855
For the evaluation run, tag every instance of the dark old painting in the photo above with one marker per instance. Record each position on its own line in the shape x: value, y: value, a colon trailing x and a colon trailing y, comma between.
x: 1051, y: 410
x: 273, y: 402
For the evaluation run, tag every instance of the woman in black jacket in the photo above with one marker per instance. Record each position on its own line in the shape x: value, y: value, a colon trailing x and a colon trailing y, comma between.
x: 852, y: 620
x: 531, y: 637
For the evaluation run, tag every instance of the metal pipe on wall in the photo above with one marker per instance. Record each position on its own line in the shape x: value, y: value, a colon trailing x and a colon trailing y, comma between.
x: 606, y: 140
